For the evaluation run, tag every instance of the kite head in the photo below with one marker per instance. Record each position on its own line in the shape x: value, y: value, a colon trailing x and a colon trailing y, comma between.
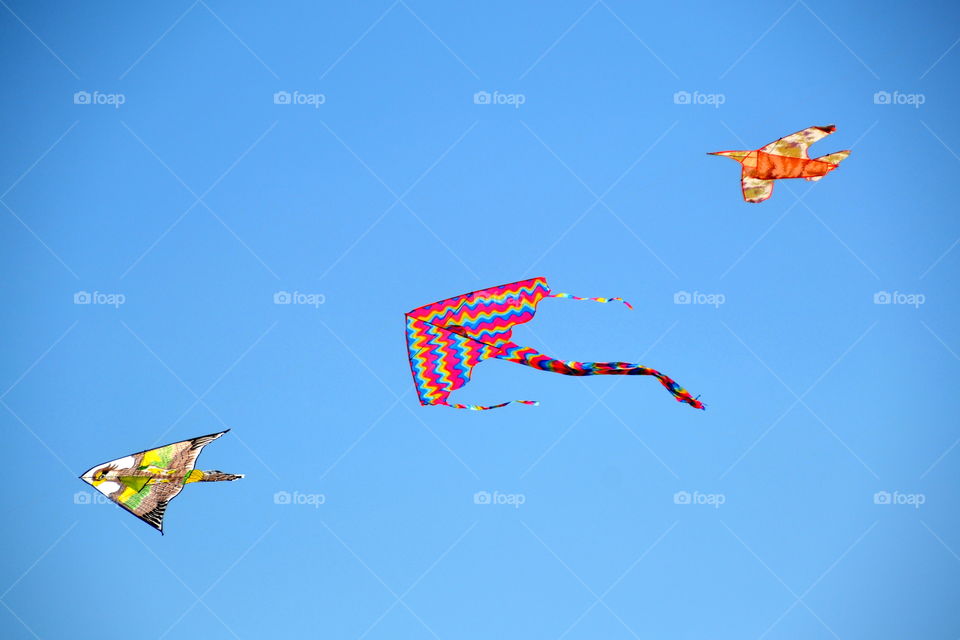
x: 99, y: 475
x: 739, y: 156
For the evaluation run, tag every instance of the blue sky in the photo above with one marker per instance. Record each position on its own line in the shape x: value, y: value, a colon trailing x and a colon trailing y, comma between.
x: 148, y: 164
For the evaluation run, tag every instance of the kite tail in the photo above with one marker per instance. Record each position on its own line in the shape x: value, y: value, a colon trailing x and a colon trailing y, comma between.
x: 213, y: 476
x: 572, y: 297
x: 480, y: 407
x: 533, y: 358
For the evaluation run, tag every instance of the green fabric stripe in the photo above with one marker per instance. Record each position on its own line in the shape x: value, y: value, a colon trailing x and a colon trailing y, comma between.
x: 134, y: 501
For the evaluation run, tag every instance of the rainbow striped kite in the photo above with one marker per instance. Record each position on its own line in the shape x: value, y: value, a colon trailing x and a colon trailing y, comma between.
x: 447, y: 339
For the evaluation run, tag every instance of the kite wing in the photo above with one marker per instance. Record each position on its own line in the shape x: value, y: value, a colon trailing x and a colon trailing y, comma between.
x: 150, y: 503
x: 146, y: 497
x: 756, y: 190
x: 795, y: 145
x: 446, y: 339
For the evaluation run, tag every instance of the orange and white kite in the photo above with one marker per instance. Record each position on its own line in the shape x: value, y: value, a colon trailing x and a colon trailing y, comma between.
x: 785, y: 158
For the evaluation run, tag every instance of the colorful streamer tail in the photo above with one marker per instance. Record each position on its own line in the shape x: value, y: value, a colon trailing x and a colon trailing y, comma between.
x: 573, y: 297
x: 533, y: 358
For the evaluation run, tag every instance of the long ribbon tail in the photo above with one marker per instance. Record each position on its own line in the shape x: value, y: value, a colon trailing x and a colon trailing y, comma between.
x: 572, y: 297
x: 480, y: 407
x: 533, y: 358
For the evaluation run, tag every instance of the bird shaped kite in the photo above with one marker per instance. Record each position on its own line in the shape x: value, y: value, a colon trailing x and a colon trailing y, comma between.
x: 785, y: 158
x: 447, y: 339
x: 143, y: 483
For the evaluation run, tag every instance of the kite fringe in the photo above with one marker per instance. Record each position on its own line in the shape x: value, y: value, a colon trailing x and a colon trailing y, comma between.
x: 480, y: 407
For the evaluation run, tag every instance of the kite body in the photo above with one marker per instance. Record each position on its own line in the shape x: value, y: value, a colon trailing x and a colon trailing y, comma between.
x: 447, y: 339
x: 143, y: 483
x: 784, y: 158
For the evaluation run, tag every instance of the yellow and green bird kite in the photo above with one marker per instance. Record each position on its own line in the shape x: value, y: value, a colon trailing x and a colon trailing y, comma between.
x: 143, y: 483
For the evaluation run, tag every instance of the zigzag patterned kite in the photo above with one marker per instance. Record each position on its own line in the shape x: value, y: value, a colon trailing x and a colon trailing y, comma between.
x: 447, y: 339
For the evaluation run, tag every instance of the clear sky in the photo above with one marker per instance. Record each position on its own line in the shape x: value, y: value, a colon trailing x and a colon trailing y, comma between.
x: 152, y: 160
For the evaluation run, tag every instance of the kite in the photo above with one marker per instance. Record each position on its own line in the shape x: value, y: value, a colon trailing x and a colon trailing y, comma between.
x: 447, y: 339
x: 785, y: 158
x: 143, y: 483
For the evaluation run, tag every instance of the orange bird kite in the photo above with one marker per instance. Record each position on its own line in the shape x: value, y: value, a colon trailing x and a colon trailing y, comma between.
x: 785, y: 158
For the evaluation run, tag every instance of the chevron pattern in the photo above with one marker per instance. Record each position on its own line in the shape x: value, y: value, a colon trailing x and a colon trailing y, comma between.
x: 447, y: 339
